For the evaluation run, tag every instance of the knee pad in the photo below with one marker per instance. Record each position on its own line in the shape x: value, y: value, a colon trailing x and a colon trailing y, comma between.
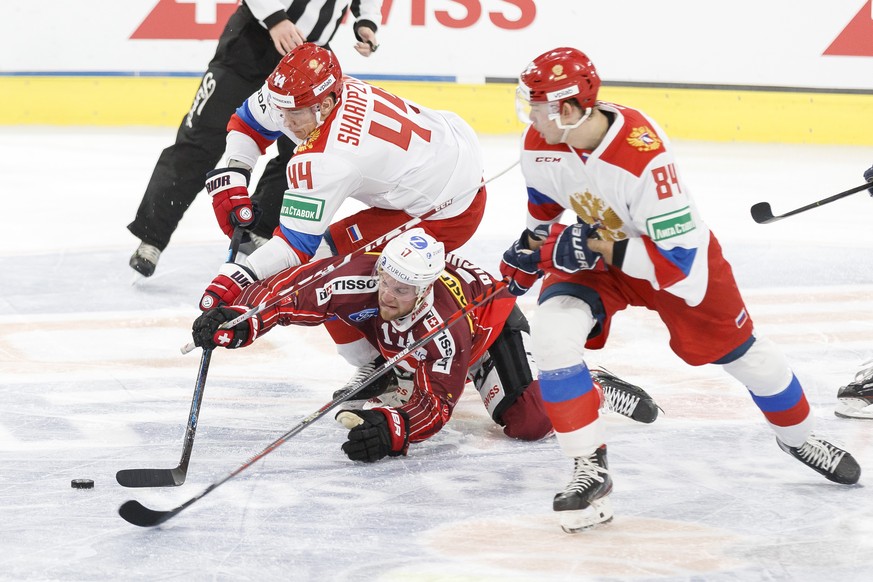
x: 763, y: 369
x: 507, y: 369
x: 559, y: 332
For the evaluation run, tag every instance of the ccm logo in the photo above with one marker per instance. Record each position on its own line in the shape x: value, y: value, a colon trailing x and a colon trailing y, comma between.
x: 546, y: 159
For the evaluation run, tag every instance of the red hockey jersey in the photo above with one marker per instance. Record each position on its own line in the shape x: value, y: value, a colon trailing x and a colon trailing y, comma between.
x: 350, y: 293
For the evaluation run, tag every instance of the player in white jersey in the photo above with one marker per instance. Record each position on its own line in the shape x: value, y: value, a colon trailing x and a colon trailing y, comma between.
x: 638, y: 240
x: 355, y: 141
x: 257, y: 35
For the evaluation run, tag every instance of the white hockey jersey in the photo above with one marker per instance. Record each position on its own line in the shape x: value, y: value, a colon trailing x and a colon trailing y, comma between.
x: 631, y: 186
x: 378, y: 148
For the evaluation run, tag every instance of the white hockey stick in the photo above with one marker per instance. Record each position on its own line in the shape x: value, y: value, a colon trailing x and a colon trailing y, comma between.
x: 305, y: 282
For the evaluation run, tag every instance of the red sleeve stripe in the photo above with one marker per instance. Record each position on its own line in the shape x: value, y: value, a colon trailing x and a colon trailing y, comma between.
x: 544, y: 212
x: 237, y: 124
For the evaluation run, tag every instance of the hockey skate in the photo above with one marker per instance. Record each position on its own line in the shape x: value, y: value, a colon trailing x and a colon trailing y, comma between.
x: 855, y: 400
x: 377, y: 387
x: 144, y: 260
x: 625, y: 398
x: 584, y: 502
x: 831, y: 461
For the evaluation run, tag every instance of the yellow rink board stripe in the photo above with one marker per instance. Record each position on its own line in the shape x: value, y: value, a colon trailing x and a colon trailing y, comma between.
x: 728, y: 114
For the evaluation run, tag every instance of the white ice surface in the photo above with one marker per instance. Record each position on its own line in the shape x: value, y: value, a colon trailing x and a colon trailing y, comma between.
x: 92, y: 381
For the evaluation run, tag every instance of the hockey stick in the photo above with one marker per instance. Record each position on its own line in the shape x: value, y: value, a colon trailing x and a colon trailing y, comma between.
x: 176, y: 476
x: 763, y: 214
x: 136, y: 513
x: 306, y: 281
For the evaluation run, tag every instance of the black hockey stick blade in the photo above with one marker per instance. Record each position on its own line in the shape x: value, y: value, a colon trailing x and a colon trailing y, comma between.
x: 763, y: 214
x: 138, y: 514
x: 151, y: 477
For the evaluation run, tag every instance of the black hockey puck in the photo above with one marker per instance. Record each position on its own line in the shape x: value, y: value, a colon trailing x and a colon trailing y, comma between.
x: 82, y: 484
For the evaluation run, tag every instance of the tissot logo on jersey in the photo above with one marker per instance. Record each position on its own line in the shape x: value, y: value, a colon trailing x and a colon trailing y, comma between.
x: 444, y: 342
x: 346, y: 286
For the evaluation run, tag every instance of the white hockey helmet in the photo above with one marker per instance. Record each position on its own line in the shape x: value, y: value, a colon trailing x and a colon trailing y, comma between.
x: 414, y: 257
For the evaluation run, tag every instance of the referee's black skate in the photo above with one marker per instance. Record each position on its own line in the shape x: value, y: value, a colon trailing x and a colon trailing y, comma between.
x: 625, y: 398
x: 831, y: 461
x: 144, y: 259
x: 855, y: 400
x: 584, y: 502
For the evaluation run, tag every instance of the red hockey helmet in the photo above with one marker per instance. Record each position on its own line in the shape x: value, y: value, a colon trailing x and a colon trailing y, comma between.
x: 304, y: 76
x: 556, y: 76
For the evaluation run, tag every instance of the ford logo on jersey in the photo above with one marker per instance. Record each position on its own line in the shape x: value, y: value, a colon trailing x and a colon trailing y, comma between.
x: 418, y: 242
x: 364, y: 315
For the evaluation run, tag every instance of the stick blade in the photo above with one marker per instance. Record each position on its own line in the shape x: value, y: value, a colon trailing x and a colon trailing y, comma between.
x: 762, y: 213
x: 138, y: 514
x: 150, y: 477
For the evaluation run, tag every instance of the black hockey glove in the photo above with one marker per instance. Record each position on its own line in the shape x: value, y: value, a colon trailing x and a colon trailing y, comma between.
x: 375, y: 434
x: 520, y: 265
x: 868, y: 175
x: 207, y: 335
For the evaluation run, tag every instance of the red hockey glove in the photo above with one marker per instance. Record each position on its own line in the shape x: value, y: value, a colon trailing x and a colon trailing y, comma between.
x: 207, y: 335
x: 375, y: 434
x: 566, y: 248
x: 227, y: 285
x: 230, y: 198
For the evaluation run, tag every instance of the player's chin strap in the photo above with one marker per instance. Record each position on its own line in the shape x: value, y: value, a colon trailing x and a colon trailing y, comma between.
x: 136, y: 513
x: 266, y: 305
x: 568, y: 128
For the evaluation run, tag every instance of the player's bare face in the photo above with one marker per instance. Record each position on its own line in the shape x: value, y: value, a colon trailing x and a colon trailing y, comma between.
x: 546, y: 126
x: 396, y: 299
x: 301, y: 122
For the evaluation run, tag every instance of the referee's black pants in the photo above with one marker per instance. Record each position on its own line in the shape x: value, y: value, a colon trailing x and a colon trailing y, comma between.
x: 244, y: 58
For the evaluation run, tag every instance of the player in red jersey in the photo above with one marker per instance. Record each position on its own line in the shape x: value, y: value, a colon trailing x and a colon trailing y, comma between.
x: 392, y: 299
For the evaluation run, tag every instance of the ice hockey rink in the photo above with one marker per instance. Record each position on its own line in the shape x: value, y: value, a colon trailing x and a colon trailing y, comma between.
x: 92, y: 381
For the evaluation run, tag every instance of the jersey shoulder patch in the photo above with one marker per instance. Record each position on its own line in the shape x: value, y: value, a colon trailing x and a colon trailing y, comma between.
x: 635, y: 145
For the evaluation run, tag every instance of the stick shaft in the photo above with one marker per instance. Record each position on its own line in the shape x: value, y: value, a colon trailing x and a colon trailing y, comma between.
x: 762, y: 214
x: 137, y: 514
x: 321, y: 273
x: 176, y: 476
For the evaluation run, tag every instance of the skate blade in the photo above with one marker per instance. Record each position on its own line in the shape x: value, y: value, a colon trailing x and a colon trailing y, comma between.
x: 598, y: 512
x: 853, y: 408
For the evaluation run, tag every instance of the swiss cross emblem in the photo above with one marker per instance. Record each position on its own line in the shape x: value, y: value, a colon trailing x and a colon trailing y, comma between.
x: 186, y: 19
x: 222, y: 338
x: 856, y: 39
